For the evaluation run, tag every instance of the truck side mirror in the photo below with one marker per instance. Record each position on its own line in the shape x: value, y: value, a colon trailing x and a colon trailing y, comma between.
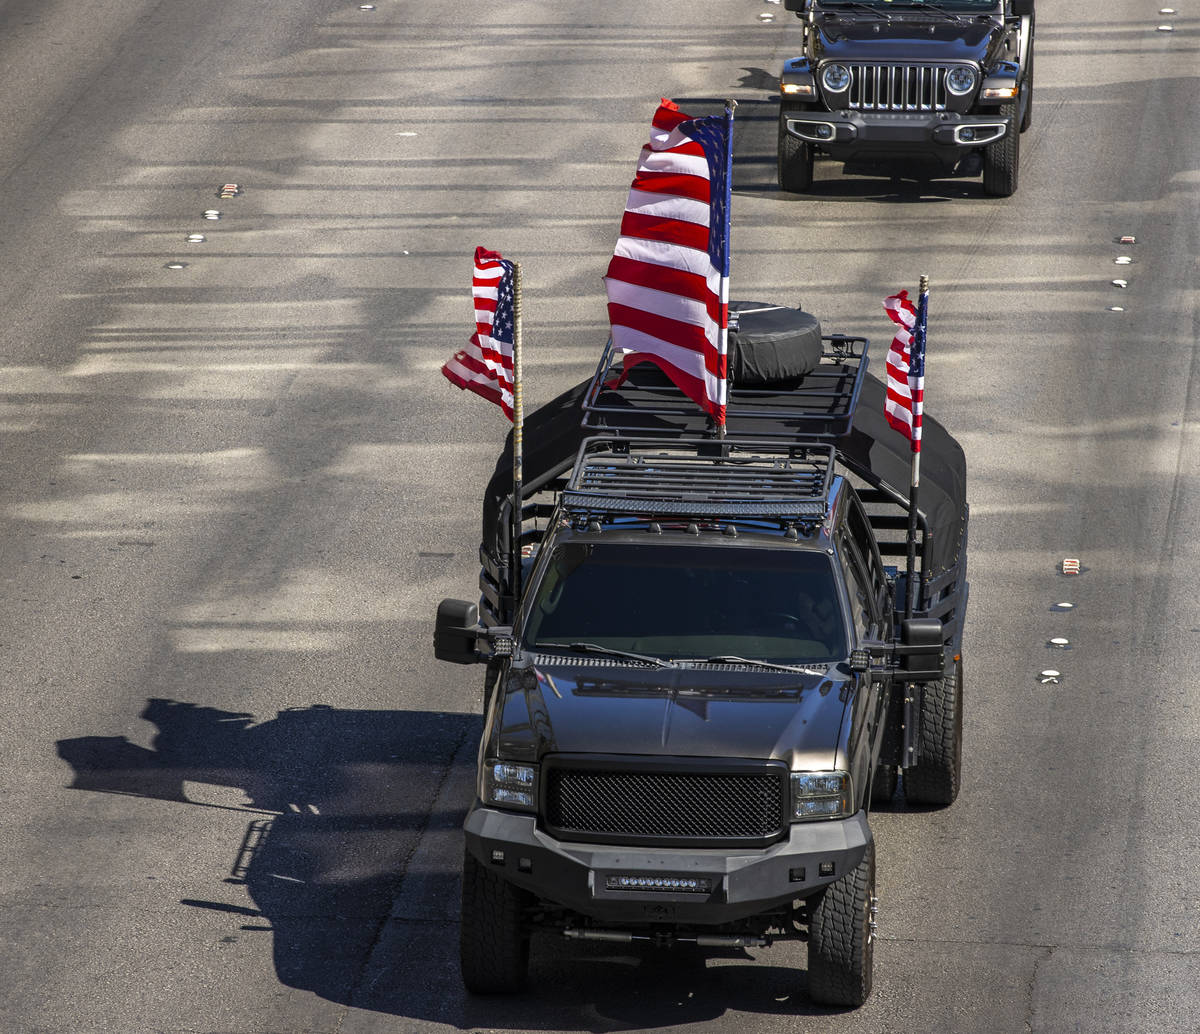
x: 1021, y: 8
x: 922, y: 649
x: 799, y: 6
x: 455, y: 632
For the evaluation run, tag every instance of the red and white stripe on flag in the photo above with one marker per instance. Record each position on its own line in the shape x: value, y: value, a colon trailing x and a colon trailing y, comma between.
x: 905, y: 391
x: 485, y: 366
x: 668, y: 303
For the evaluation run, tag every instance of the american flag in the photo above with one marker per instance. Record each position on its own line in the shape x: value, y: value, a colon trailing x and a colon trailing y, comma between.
x: 485, y: 366
x: 668, y: 281
x: 906, y: 366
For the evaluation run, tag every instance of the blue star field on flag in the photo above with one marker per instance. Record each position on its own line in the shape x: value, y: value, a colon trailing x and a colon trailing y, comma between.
x: 502, y: 326
x: 916, y: 359
x: 712, y: 133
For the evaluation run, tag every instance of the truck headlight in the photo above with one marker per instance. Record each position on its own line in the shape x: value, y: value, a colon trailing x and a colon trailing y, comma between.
x: 835, y: 78
x: 509, y: 785
x: 960, y: 80
x: 822, y: 795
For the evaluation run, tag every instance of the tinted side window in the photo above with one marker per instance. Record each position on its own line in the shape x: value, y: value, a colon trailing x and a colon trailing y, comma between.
x: 860, y: 531
x: 858, y: 587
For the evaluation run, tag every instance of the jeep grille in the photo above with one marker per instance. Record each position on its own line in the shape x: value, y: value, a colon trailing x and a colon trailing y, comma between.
x: 744, y: 805
x: 897, y: 88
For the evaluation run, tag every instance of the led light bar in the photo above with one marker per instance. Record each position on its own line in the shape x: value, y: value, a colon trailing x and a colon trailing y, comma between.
x: 662, y: 884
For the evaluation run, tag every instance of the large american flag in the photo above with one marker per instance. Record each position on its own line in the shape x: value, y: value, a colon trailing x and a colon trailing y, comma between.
x: 906, y: 366
x: 668, y: 281
x: 485, y: 366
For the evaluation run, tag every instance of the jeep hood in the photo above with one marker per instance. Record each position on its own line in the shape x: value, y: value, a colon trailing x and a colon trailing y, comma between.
x: 705, y: 711
x: 914, y: 41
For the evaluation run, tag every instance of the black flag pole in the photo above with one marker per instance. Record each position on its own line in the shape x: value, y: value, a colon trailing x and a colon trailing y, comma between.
x: 518, y: 444
x: 916, y: 365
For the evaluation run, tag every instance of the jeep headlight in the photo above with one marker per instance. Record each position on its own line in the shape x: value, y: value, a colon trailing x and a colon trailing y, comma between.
x: 822, y: 795
x: 835, y: 78
x: 960, y: 80
x: 509, y: 785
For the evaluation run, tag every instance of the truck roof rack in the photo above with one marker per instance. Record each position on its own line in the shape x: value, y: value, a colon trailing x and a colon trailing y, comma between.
x: 820, y: 404
x: 700, y: 478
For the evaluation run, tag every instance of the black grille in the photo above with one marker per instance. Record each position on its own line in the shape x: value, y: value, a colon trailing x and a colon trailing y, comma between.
x: 897, y: 88
x: 666, y: 806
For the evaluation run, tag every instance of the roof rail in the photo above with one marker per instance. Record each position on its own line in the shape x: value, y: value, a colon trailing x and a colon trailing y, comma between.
x: 643, y: 401
x: 701, y: 478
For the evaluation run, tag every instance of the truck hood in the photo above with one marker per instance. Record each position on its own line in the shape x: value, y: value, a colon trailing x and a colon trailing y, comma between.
x: 703, y: 711
x: 916, y: 40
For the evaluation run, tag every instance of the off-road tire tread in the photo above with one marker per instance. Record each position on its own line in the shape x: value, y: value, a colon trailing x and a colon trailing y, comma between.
x: 493, y: 943
x: 1027, y: 91
x: 1001, y: 160
x: 937, y: 774
x: 840, y: 955
x: 795, y: 160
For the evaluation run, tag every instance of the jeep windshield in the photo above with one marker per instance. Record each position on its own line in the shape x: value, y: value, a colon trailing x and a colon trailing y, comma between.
x: 689, y: 602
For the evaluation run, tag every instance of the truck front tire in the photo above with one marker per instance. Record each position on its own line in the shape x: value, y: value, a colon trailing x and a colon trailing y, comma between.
x: 935, y: 777
x: 841, y: 937
x: 493, y: 935
x: 1002, y: 159
x: 795, y: 160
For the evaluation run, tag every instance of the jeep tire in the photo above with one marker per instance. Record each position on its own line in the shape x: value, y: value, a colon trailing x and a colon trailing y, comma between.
x: 1001, y: 160
x: 1027, y: 92
x: 795, y: 160
x: 841, y: 937
x: 493, y: 935
x: 934, y: 779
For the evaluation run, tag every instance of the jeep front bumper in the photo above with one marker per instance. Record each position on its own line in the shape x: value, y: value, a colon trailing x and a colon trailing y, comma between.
x: 871, y: 136
x: 722, y: 885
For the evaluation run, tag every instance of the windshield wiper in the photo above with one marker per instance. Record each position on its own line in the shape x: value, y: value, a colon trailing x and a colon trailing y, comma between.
x: 877, y: 11
x: 608, y: 651
x: 952, y: 15
x: 727, y: 658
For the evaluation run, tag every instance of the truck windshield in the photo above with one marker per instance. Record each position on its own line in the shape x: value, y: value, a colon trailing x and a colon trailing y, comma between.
x: 937, y: 5
x: 690, y: 602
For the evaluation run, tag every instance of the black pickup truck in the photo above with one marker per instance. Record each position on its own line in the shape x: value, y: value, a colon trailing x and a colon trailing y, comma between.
x: 708, y: 677
x: 888, y: 84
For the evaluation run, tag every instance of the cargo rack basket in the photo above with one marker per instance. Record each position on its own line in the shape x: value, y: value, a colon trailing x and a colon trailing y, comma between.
x: 818, y: 405
x: 700, y: 479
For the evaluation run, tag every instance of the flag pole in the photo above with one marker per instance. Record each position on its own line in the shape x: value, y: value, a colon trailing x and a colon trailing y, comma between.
x: 918, y: 341
x: 726, y: 218
x: 518, y: 443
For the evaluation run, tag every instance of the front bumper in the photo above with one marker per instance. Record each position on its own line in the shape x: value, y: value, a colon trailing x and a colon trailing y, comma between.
x: 871, y: 136
x: 743, y: 882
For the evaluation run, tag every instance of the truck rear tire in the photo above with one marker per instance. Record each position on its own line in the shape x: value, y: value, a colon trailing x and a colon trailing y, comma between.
x: 493, y: 935
x: 841, y: 937
x: 1002, y: 159
x: 935, y: 777
x: 795, y: 161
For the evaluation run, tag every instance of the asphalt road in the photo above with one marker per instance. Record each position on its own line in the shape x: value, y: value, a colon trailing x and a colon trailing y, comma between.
x: 232, y: 493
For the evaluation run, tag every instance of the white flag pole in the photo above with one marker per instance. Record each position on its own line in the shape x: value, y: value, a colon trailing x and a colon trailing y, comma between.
x: 915, y: 482
x: 518, y: 443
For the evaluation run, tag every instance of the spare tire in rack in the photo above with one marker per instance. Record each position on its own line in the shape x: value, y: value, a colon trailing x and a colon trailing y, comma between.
x: 772, y: 345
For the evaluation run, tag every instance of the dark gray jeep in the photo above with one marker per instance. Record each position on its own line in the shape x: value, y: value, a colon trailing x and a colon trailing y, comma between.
x: 944, y: 88
x: 703, y: 662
